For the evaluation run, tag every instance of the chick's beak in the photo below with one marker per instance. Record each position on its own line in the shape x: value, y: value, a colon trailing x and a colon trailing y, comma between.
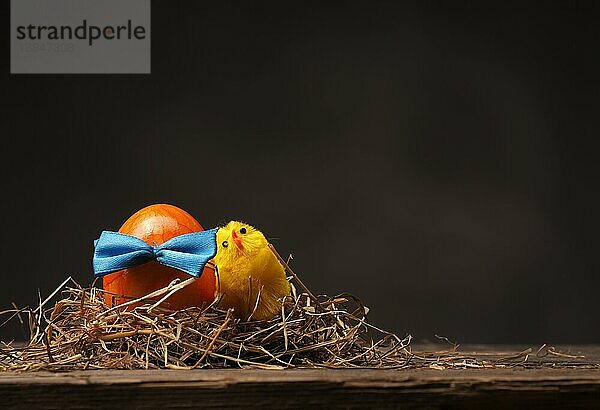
x: 237, y: 240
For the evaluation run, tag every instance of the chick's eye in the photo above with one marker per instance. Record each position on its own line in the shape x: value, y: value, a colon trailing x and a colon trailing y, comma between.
x: 225, y: 244
x: 242, y: 230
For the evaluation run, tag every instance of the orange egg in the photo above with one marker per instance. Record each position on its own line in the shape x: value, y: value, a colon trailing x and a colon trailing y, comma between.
x: 156, y: 224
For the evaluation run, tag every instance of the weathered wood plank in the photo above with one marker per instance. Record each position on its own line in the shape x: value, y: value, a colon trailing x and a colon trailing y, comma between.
x: 417, y: 388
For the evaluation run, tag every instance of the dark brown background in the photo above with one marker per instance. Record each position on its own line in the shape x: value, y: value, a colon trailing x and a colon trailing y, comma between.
x: 435, y: 160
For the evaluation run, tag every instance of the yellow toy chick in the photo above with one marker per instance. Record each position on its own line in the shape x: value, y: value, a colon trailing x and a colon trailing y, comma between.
x: 248, y: 270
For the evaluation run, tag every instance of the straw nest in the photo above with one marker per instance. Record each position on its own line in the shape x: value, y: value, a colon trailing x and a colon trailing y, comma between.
x: 79, y: 331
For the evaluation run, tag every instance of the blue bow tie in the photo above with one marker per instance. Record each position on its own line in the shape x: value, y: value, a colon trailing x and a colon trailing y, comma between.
x: 188, y: 253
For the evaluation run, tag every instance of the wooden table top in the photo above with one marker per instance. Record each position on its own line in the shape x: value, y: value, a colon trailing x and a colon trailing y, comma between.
x: 532, y: 381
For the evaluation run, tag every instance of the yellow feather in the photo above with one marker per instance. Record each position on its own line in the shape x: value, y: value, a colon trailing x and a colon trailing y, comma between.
x: 247, y: 268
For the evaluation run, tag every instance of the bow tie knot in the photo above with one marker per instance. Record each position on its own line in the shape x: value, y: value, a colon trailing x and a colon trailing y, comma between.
x: 189, y: 253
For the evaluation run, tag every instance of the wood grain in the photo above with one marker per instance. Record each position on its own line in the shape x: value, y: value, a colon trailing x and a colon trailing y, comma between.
x: 572, y: 383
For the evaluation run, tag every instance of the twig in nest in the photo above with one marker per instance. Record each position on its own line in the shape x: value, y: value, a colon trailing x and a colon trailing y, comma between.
x: 296, y: 278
